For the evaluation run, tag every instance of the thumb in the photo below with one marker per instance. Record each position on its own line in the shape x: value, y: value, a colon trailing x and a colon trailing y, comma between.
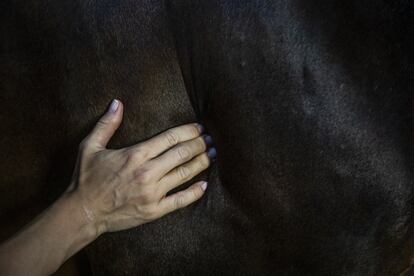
x: 106, y: 126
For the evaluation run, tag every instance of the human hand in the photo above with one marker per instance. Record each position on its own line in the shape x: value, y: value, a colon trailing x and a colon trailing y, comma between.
x: 123, y: 188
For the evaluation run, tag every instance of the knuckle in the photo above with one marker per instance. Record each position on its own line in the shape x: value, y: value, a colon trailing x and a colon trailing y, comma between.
x: 143, y: 175
x: 183, y: 153
x: 171, y: 138
x: 102, y: 123
x: 146, y: 197
x: 183, y: 172
x: 137, y: 154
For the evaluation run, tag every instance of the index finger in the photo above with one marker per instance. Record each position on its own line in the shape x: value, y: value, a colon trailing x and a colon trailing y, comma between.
x: 169, y: 138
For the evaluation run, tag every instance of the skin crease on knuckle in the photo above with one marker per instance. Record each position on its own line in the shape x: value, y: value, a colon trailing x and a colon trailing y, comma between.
x: 103, y: 123
x: 187, y: 150
x: 172, y: 138
x: 179, y: 200
x: 183, y: 153
x: 184, y: 172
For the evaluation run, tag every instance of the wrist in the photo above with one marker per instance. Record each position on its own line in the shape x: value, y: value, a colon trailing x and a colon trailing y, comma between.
x: 79, y: 229
x: 79, y: 211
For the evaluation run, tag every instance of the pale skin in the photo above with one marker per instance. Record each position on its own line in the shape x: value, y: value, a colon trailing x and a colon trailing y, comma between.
x: 111, y: 190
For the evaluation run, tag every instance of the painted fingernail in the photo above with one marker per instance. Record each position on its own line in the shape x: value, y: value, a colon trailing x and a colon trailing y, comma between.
x: 114, y: 106
x: 204, y: 185
x: 212, y: 153
x: 208, y: 140
x: 200, y: 128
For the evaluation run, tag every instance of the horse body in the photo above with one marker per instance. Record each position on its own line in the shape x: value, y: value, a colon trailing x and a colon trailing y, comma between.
x: 308, y: 104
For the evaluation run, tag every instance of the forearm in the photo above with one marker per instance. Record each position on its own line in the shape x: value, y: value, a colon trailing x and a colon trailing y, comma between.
x: 48, y: 241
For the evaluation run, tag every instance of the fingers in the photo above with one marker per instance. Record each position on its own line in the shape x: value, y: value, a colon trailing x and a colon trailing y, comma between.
x: 168, y: 139
x: 106, y: 126
x: 182, y: 198
x: 177, y: 156
x: 184, y: 173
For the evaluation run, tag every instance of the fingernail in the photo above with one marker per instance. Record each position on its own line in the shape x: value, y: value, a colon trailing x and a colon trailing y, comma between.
x: 212, y: 153
x: 200, y: 127
x: 208, y: 140
x: 114, y: 106
x: 204, y: 185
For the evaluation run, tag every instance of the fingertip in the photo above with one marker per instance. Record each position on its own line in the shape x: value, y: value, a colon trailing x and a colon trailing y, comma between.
x: 200, y: 189
x: 116, y: 108
x: 203, y: 185
x: 115, y: 112
x: 200, y: 127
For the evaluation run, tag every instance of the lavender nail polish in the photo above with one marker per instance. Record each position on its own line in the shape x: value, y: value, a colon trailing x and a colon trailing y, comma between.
x: 204, y: 185
x: 200, y: 127
x: 114, y: 106
x: 212, y: 153
x: 208, y: 140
